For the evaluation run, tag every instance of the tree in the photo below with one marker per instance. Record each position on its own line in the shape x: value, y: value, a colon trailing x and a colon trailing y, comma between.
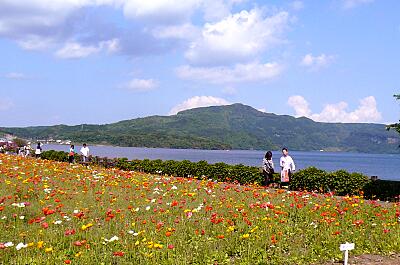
x: 20, y: 142
x: 395, y: 126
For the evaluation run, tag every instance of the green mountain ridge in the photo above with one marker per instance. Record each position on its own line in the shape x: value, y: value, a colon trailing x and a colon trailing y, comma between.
x: 235, y: 126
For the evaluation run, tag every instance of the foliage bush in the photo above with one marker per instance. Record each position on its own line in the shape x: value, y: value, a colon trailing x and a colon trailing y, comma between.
x: 340, y: 182
x: 309, y: 179
x: 20, y: 142
x: 219, y: 171
x: 55, y: 155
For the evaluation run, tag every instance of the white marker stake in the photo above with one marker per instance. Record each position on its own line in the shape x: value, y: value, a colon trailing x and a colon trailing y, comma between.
x: 346, y: 247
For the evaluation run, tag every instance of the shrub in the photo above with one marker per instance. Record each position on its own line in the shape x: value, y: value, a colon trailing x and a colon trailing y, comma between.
x: 341, y: 182
x: 309, y: 179
x: 20, y: 142
x: 55, y: 155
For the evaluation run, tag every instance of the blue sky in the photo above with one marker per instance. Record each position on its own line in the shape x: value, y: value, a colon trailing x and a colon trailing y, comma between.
x: 101, y: 61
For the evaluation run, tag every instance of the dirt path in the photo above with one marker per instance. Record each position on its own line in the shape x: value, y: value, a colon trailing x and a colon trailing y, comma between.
x: 370, y: 259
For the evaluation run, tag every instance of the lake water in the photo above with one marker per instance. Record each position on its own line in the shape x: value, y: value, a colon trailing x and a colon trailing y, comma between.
x: 385, y: 166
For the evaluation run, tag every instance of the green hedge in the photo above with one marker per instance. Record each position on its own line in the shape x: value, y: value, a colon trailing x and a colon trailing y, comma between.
x: 219, y: 171
x: 55, y: 155
x: 340, y: 182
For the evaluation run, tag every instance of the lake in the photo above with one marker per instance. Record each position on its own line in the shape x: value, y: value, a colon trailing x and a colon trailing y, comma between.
x: 385, y: 166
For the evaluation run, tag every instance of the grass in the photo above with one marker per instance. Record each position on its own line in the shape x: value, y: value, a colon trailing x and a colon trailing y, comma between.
x: 56, y: 213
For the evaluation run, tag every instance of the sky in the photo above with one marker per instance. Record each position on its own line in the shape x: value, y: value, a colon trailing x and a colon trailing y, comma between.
x: 101, y: 61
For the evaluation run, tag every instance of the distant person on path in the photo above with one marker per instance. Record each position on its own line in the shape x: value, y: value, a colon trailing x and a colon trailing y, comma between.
x: 268, y: 168
x: 38, y: 150
x: 85, y: 153
x: 287, y: 166
x: 71, y: 154
x: 21, y: 151
x: 27, y: 150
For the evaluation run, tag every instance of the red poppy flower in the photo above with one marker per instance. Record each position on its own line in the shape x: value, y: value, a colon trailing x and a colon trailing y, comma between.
x: 118, y: 253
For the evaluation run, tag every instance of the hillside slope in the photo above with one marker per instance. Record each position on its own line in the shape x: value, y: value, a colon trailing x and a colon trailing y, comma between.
x: 234, y: 126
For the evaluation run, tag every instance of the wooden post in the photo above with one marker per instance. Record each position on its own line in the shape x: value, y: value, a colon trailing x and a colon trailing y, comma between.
x: 346, y: 247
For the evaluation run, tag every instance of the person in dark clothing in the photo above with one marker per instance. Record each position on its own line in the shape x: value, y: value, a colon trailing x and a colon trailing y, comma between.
x: 71, y: 154
x: 268, y: 168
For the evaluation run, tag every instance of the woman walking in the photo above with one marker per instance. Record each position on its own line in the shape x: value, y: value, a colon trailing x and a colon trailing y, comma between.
x: 268, y: 168
x: 71, y: 154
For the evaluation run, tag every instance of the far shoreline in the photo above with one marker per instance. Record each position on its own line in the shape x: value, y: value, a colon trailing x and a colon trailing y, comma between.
x: 227, y: 150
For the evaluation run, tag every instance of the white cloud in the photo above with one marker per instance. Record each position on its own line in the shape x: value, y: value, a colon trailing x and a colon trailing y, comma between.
x: 300, y: 106
x: 47, y: 24
x: 366, y: 112
x: 197, y: 102
x: 238, y: 37
x: 348, y: 4
x: 35, y: 43
x: 184, y: 31
x: 177, y: 11
x: 317, y: 62
x: 216, y: 9
x: 74, y: 50
x: 110, y: 46
x: 27, y: 21
x: 75, y: 26
x: 262, y: 110
x: 5, y: 104
x: 160, y: 11
x: 140, y: 85
x: 36, y: 13
x: 16, y: 76
x: 251, y: 72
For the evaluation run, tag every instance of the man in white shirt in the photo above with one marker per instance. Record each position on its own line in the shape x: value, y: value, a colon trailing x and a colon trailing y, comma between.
x: 287, y: 165
x: 85, y: 153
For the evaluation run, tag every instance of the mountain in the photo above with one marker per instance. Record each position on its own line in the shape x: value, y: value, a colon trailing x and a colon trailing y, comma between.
x: 234, y: 126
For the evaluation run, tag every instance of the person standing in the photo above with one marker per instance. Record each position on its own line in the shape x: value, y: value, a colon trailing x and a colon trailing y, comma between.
x: 38, y: 150
x: 27, y: 149
x: 85, y: 153
x: 71, y: 154
x: 268, y: 168
x: 21, y: 151
x: 287, y: 166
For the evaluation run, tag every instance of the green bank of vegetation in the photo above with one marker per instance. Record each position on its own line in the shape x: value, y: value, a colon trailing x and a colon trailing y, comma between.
x: 234, y: 126
x: 395, y: 126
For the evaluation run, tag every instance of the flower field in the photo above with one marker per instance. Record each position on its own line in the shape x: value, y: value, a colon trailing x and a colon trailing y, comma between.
x: 56, y: 213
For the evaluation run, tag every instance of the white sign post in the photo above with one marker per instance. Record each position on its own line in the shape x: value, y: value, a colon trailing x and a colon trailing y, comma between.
x: 346, y: 247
